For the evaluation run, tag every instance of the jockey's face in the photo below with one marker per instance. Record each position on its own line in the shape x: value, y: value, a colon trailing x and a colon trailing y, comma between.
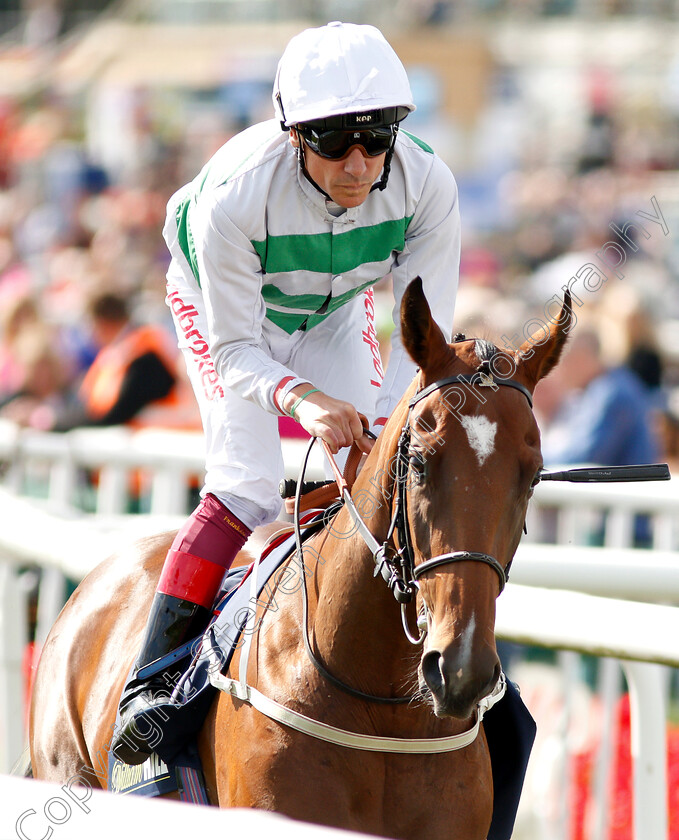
x: 346, y: 181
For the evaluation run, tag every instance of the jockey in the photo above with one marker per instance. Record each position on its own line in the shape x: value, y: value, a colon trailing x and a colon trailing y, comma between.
x: 275, y: 247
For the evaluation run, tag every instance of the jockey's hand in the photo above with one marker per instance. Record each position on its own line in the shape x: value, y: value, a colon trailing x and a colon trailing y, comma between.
x: 335, y: 421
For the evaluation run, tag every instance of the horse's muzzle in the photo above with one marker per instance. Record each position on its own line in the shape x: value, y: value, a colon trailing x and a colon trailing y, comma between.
x: 454, y: 688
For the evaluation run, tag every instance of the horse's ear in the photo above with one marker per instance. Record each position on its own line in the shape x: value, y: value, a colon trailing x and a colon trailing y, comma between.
x: 539, y: 354
x: 421, y: 335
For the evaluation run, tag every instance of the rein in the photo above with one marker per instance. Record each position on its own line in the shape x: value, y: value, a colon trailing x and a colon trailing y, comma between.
x: 318, y: 665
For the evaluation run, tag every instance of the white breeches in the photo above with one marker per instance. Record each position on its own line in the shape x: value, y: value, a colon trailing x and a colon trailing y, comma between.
x: 244, y: 463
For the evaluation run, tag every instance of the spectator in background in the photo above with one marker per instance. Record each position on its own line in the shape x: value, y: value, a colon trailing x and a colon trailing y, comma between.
x: 133, y: 376
x: 43, y: 382
x: 628, y: 330
x: 668, y: 431
x: 133, y: 379
x: 19, y: 313
x: 604, y: 416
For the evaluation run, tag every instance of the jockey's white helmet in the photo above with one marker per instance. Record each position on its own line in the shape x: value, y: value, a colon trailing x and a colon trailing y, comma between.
x: 340, y: 68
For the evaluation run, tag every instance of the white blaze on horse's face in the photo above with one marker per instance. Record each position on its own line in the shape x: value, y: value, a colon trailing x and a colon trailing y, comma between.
x: 467, y: 646
x: 481, y: 435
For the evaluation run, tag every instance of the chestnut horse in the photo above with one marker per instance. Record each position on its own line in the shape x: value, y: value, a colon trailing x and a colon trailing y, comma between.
x: 471, y: 457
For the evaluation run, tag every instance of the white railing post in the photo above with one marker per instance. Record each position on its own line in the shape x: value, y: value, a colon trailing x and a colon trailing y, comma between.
x: 169, y: 492
x: 609, y: 695
x: 63, y: 479
x: 113, y: 489
x: 569, y: 666
x: 649, y: 749
x: 12, y: 645
x: 51, y: 599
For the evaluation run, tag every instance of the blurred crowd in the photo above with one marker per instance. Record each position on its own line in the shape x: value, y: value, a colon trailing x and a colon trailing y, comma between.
x: 82, y: 265
x: 605, y: 234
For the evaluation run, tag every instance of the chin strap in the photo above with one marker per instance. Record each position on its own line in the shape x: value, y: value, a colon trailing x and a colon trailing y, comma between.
x: 382, y: 183
x: 305, y: 171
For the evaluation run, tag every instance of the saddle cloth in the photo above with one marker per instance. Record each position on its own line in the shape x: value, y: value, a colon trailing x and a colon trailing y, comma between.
x: 175, y: 765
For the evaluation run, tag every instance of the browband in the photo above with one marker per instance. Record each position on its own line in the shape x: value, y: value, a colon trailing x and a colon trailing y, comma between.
x: 477, y: 378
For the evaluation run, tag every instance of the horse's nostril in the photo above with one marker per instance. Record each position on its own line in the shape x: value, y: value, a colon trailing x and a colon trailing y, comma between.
x: 432, y: 672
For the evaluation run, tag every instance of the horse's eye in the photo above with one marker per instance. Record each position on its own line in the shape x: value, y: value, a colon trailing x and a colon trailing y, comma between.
x: 536, y: 480
x: 418, y: 466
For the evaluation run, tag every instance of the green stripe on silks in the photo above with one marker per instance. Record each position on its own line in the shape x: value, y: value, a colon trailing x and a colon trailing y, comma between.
x: 185, y: 238
x: 291, y: 321
x: 419, y: 142
x: 327, y: 253
x: 273, y: 295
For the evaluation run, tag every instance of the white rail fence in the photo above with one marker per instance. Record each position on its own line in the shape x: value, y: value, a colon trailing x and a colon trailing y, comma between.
x: 613, y: 601
x: 33, y: 809
x: 163, y: 466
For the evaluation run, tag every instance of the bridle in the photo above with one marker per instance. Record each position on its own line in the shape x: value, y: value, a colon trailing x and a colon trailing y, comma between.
x: 399, y: 569
x: 397, y: 566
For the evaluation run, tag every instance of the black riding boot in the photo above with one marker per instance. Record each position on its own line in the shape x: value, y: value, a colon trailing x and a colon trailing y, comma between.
x: 172, y: 621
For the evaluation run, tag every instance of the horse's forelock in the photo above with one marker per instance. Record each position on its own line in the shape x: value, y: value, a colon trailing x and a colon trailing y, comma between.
x: 476, y: 352
x: 485, y: 350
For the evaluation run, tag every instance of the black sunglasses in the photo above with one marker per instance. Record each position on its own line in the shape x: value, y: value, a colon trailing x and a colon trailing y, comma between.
x: 336, y: 143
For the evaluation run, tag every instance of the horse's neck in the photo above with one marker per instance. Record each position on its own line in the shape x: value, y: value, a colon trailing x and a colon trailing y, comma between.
x: 352, y: 604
